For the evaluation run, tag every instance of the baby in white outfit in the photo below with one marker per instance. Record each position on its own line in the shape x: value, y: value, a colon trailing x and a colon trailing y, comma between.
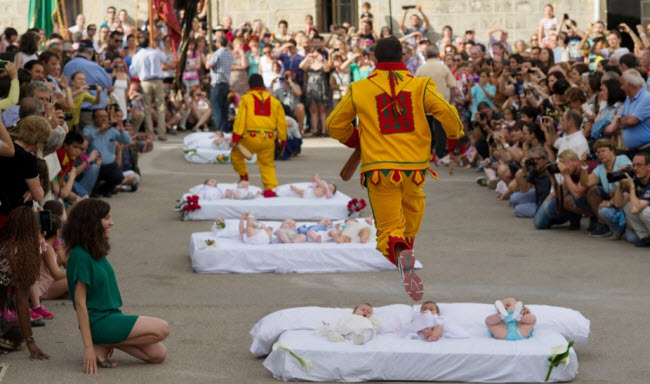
x: 360, y: 327
x: 318, y: 190
x: 242, y: 192
x: 253, y: 231
x: 354, y: 231
x: 211, y: 191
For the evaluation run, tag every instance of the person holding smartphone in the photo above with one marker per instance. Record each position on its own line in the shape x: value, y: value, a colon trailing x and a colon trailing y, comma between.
x: 417, y: 23
x: 80, y: 95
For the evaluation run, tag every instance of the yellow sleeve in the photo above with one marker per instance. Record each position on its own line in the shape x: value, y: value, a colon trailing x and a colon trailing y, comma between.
x: 339, y: 122
x: 240, y: 120
x: 88, y: 97
x: 12, y: 98
x: 444, y: 112
x: 281, y: 121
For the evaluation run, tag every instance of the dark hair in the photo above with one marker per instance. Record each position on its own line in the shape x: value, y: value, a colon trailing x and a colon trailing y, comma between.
x: 576, y: 116
x: 9, y: 32
x: 560, y: 86
x: 518, y: 58
x: 84, y: 228
x: 615, y: 32
x: 483, y: 105
x: 54, y: 36
x: 46, y: 56
x: 116, y: 33
x: 431, y: 302
x: 614, y: 91
x: 629, y: 60
x: 357, y: 307
x: 645, y: 155
x: 30, y: 64
x: 529, y: 111
x: 551, y: 57
x: 55, y: 225
x: 580, y: 68
x: 283, y: 22
x: 534, y: 130
x: 594, y: 80
x: 29, y: 43
x: 388, y: 50
x: 575, y: 94
x: 54, y: 206
x: 255, y: 81
x: 73, y: 137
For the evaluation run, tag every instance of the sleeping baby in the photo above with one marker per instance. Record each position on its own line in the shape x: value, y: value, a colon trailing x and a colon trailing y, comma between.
x: 254, y: 231
x: 242, y: 192
x: 287, y: 233
x: 319, y: 189
x: 354, y: 231
x: 360, y: 327
x: 317, y: 233
x: 211, y: 191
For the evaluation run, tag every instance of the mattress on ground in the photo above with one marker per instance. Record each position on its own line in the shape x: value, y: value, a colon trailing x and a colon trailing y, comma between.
x: 199, y: 147
x: 387, y: 357
x: 225, y: 252
x: 470, y: 317
x: 287, y: 205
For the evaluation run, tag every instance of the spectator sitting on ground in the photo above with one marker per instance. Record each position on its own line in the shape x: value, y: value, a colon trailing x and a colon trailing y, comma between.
x: 568, y: 201
x: 633, y: 195
x: 102, y: 137
x: 600, y: 190
x: 534, y: 186
x: 572, y: 137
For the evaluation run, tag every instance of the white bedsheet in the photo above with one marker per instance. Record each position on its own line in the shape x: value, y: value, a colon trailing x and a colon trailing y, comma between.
x: 286, y: 206
x: 389, y: 357
x: 198, y: 147
x: 229, y: 254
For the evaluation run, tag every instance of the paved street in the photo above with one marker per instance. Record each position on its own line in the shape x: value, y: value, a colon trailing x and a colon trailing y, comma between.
x: 472, y: 247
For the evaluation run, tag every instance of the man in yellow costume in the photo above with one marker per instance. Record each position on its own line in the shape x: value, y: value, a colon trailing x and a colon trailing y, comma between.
x: 259, y: 123
x: 395, y: 142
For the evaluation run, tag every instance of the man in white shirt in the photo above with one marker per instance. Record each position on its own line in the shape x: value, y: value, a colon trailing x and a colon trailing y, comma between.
x: 147, y: 66
x: 79, y: 26
x: 572, y: 137
x: 615, y: 49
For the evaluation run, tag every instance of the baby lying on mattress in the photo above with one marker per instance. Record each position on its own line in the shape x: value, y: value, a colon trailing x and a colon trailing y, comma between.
x: 513, y: 321
x: 426, y: 325
x: 254, y: 231
x: 360, y: 327
x: 319, y: 189
x: 211, y: 191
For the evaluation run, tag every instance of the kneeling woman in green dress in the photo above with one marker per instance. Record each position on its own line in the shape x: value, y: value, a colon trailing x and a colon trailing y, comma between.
x: 96, y: 297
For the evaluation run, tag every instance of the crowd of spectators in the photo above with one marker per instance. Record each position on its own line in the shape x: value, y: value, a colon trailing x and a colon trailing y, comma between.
x: 560, y: 124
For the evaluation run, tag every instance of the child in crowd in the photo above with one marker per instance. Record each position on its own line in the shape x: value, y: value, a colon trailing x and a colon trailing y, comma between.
x: 354, y: 231
x: 57, y: 209
x: 242, y: 192
x: 52, y: 282
x: 254, y: 231
x: 287, y: 232
x: 360, y: 327
x: 513, y: 321
x: 318, y: 189
x: 365, y: 12
x: 318, y: 233
x: 80, y: 94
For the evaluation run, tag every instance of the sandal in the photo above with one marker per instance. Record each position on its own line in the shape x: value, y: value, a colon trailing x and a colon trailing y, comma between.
x: 412, y: 282
x: 108, y: 363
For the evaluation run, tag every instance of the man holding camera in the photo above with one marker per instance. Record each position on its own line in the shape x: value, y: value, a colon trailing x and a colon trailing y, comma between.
x: 568, y: 202
x: 633, y: 195
x: 289, y: 95
x: 534, y: 185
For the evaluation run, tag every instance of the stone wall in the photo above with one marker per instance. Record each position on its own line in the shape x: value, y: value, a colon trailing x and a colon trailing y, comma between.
x: 519, y: 17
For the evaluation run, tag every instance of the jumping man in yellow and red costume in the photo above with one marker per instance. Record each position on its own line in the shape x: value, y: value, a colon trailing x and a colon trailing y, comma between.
x: 260, y: 122
x: 395, y: 142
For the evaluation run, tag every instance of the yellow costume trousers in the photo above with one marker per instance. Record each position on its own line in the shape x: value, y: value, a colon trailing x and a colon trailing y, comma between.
x: 397, y: 200
x: 262, y: 145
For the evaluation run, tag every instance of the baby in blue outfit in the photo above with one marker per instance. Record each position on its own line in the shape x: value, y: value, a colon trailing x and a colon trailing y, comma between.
x: 317, y: 233
x: 513, y: 321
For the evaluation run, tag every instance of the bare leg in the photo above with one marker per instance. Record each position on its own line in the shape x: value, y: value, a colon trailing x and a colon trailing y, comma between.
x: 314, y: 237
x: 313, y: 110
x: 496, y: 326
x: 282, y: 235
x: 250, y: 228
x: 526, y: 324
x: 56, y: 290
x: 204, y: 117
x: 297, y: 190
x: 364, y: 235
x: 236, y: 195
x: 144, y: 341
x: 300, y: 239
x: 35, y: 295
x: 322, y: 111
x: 299, y: 113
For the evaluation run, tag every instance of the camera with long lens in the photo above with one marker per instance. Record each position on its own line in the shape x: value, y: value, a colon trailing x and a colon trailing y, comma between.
x: 615, y: 176
x: 553, y: 169
x: 531, y: 162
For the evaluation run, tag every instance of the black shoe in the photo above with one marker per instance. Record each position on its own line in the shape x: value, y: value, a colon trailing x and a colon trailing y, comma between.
x: 593, y: 224
x: 600, y: 230
x: 38, y: 323
x: 574, y: 224
x: 134, y: 187
x: 107, y: 195
x: 114, y: 191
x: 645, y: 242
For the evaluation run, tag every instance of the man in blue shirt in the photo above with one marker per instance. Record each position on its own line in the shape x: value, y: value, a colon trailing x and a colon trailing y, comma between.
x: 220, y: 64
x: 95, y: 75
x: 147, y: 66
x: 635, y: 115
x: 101, y: 137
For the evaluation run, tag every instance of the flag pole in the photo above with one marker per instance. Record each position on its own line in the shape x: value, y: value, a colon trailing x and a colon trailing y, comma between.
x: 210, y: 34
x: 137, y: 12
x: 151, y: 42
x: 65, y: 19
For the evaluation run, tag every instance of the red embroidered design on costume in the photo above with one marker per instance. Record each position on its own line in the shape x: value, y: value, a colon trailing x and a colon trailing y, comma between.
x: 262, y: 107
x: 395, y: 118
x: 389, y: 252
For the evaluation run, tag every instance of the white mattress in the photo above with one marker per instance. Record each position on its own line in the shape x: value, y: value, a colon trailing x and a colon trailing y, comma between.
x: 230, y: 255
x: 478, y: 358
x: 286, y: 206
x: 198, y: 147
x: 388, y: 357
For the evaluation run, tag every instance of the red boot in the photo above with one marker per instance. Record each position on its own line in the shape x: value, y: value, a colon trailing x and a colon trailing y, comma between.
x: 269, y: 193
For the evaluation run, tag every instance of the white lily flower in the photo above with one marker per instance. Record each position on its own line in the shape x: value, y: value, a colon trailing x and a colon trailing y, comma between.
x: 276, y: 346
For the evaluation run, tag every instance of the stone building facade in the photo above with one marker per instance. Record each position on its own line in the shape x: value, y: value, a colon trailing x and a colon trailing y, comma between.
x: 519, y: 17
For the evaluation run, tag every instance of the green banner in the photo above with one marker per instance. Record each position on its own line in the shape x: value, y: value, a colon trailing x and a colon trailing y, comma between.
x: 42, y: 14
